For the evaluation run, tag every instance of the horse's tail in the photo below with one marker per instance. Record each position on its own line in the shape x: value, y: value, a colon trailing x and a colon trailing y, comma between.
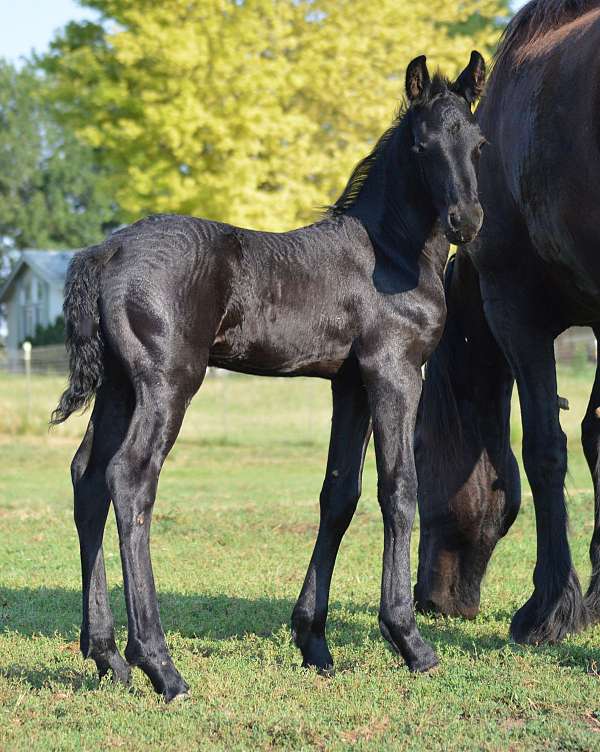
x: 84, y: 341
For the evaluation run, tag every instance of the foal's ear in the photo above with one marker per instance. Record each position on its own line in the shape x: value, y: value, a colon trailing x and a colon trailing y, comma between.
x: 471, y: 81
x: 417, y: 78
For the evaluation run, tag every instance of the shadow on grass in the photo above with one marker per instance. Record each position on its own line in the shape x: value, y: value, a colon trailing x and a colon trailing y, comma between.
x: 55, y: 612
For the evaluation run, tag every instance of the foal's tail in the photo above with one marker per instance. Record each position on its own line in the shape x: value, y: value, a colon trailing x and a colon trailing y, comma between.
x: 85, y: 345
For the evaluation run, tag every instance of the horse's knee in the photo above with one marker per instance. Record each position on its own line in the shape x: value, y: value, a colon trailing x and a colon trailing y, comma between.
x: 545, y: 461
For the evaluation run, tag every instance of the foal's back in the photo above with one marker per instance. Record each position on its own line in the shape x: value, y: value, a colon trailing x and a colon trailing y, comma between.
x: 267, y: 303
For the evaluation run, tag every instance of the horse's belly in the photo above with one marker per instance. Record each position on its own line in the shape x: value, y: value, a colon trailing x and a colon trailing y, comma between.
x: 285, y: 345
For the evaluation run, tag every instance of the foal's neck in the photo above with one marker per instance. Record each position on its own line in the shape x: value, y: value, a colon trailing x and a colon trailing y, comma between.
x: 397, y: 213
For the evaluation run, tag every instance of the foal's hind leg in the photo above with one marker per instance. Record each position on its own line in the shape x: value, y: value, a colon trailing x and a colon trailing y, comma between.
x: 132, y: 475
x: 590, y: 439
x: 104, y: 434
x: 350, y: 432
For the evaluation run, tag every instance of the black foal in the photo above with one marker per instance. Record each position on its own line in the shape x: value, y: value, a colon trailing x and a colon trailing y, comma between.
x: 356, y: 298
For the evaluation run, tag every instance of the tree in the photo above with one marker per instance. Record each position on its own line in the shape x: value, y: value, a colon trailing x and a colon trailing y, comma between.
x: 52, y: 193
x: 249, y: 111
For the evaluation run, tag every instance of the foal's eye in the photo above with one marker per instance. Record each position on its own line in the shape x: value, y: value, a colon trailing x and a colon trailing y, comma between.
x: 419, y: 148
x: 482, y: 143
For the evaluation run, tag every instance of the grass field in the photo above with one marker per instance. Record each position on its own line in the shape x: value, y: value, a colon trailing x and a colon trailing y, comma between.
x: 233, y: 530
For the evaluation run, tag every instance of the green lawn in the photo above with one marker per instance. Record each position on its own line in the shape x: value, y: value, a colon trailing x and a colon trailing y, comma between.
x: 233, y: 530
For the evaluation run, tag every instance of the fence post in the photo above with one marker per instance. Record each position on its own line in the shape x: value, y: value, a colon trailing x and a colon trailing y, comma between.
x: 27, y: 361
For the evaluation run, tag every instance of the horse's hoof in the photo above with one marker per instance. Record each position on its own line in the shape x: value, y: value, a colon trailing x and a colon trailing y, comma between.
x: 536, y: 625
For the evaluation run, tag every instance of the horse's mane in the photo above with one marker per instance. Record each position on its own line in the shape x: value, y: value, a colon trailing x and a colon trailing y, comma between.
x: 439, y: 85
x: 537, y: 18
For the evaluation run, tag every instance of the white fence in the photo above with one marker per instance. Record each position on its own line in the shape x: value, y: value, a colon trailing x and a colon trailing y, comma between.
x: 48, y: 360
x: 576, y: 344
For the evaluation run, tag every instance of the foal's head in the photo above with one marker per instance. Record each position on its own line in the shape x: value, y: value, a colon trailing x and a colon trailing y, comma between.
x: 447, y: 143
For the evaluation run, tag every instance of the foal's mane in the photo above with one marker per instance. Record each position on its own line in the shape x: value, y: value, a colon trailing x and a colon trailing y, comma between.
x: 439, y: 85
x: 537, y: 18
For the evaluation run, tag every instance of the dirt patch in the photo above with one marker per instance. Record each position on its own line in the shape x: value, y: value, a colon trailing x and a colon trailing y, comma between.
x: 509, y: 724
x: 296, y: 528
x: 592, y: 721
x: 367, y: 732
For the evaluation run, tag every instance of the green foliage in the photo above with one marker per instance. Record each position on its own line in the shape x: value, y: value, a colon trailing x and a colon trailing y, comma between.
x: 53, y: 334
x: 52, y: 194
x: 251, y: 112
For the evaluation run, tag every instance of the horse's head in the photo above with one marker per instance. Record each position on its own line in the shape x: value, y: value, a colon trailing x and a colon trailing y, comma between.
x: 447, y: 143
x: 469, y: 487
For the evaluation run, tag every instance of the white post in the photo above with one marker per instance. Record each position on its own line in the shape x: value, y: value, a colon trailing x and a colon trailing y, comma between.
x: 27, y: 361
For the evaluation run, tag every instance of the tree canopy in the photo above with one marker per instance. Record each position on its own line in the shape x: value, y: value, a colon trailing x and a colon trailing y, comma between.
x: 52, y: 193
x: 248, y: 111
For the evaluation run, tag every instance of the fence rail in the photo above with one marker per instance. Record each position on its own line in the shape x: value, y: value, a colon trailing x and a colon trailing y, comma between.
x: 44, y: 360
x: 577, y: 343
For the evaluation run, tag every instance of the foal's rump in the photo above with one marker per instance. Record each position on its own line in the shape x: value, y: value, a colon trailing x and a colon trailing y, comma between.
x: 142, y: 296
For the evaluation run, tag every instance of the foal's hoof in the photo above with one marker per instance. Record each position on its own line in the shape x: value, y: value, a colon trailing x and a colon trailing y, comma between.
x: 171, y: 686
x: 418, y: 655
x: 315, y: 653
x: 426, y: 661
x: 180, y: 696
x: 119, y: 668
x: 327, y: 671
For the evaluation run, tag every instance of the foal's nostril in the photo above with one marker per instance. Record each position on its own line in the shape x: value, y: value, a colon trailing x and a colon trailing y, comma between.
x: 454, y: 220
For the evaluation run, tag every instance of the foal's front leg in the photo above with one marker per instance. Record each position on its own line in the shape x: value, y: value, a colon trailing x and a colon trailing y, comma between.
x: 350, y: 433
x: 394, y: 393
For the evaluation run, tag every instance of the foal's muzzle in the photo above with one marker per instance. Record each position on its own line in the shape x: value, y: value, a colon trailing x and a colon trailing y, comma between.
x: 463, y: 222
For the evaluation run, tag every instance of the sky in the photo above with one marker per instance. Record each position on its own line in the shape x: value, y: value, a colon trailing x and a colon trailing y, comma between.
x: 30, y: 24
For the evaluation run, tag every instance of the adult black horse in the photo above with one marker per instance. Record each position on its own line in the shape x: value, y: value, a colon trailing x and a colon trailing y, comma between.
x: 356, y: 298
x: 533, y: 271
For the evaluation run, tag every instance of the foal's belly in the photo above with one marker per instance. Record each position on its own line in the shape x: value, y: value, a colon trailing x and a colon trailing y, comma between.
x: 284, y: 342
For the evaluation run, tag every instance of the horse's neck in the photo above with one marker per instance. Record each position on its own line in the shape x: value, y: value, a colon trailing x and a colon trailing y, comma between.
x: 393, y: 206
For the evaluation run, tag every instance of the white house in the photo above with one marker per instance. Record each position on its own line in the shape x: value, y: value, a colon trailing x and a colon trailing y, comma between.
x: 33, y: 293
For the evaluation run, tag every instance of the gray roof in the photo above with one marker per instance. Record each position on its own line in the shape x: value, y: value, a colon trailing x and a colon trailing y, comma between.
x: 50, y: 265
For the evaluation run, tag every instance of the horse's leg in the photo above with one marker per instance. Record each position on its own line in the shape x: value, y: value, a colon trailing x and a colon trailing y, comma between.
x: 132, y: 475
x: 350, y: 432
x: 106, y: 430
x: 394, y: 393
x: 590, y: 439
x: 556, y: 605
